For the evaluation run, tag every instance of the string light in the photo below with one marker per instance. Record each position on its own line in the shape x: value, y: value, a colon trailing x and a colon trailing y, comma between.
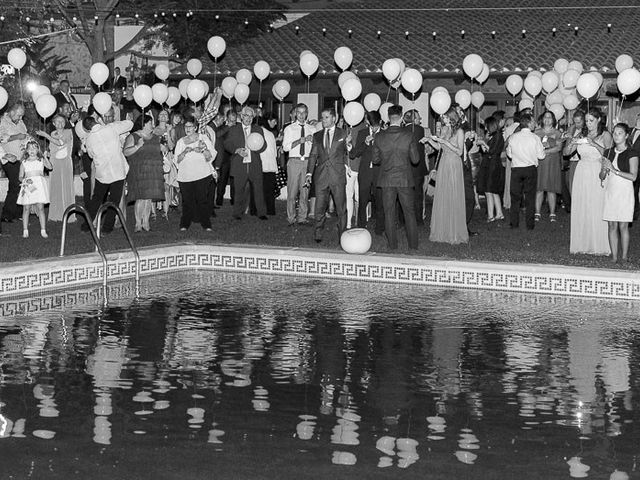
x: 553, y: 31
x: 493, y: 34
x: 462, y: 33
x: 524, y: 33
x: 95, y: 19
x: 379, y: 33
x: 246, y: 23
x: 434, y: 35
x: 297, y: 29
x: 576, y: 31
x: 324, y: 32
x: 608, y: 28
x: 350, y: 32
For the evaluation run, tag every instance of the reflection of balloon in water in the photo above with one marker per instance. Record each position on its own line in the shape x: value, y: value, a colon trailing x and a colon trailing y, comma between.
x: 343, y: 57
x: 372, y: 102
x: 216, y: 46
x: 102, y: 102
x: 255, y: 141
x: 17, y: 58
x: 194, y: 67
x: 46, y: 105
x: 99, y: 73
x: 463, y: 98
x: 514, y: 84
x: 353, y: 113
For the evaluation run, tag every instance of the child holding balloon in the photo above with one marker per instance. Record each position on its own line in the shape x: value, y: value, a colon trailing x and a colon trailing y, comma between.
x: 34, y: 189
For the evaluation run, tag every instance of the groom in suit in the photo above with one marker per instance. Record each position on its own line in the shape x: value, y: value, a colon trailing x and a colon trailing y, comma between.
x: 246, y: 165
x: 327, y: 167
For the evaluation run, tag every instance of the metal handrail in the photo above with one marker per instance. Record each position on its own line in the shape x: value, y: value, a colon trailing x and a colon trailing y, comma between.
x: 127, y: 234
x: 96, y: 239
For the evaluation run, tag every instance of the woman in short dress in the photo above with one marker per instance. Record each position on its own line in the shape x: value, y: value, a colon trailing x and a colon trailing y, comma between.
x: 549, y: 169
x: 491, y: 173
x: 589, y: 232
x: 619, y: 171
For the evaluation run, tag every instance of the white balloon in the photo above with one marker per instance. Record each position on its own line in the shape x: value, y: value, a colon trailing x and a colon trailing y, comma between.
x: 576, y: 65
x: 550, y: 81
x: 343, y: 57
x: 570, y: 78
x: 558, y: 110
x: 587, y: 85
x: 196, y: 90
x: 99, y: 73
x: 46, y: 105
x: 561, y: 65
x: 309, y: 64
x: 484, y: 74
x: 4, y: 96
x: 344, y: 76
x: 143, y: 95
x: 384, y: 111
x: 571, y: 102
x: 351, y: 89
x: 281, y: 89
x: 628, y: 81
x: 514, y: 84
x: 477, y: 99
x: 228, y: 86
x: 17, y: 58
x: 261, y: 70
x: 533, y: 85
x: 535, y: 73
x: 554, y: 97
x: 353, y: 113
x: 255, y: 141
x: 391, y: 69
x: 241, y: 93
x: 162, y: 71
x: 463, y: 98
x: 440, y: 102
x: 372, y: 102
x: 40, y: 90
x: 244, y: 76
x: 623, y: 62
x: 439, y: 89
x: 182, y: 86
x: 216, y: 46
x: 412, y: 80
x: 160, y: 93
x: 102, y: 102
x: 194, y: 67
x: 173, y: 96
x: 472, y: 65
x: 524, y: 104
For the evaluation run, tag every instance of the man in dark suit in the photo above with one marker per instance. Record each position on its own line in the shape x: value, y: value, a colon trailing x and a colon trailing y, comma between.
x: 246, y: 165
x: 327, y: 167
x: 118, y: 82
x: 411, y: 122
x: 368, y: 173
x: 396, y: 151
x: 64, y: 96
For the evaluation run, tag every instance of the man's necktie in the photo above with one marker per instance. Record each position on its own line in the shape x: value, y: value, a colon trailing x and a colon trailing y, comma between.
x: 302, y: 141
x: 327, y: 143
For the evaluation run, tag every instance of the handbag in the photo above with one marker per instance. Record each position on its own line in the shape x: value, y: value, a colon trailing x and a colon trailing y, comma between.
x: 431, y: 180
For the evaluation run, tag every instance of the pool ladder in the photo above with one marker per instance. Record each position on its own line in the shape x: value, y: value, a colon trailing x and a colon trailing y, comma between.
x: 95, y: 235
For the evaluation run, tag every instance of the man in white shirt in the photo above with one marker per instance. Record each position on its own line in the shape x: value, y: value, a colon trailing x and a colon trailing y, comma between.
x: 525, y: 149
x: 104, y: 147
x: 13, y: 137
x: 297, y: 141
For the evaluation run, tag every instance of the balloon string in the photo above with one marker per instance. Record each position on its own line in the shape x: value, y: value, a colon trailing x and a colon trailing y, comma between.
x: 388, y: 93
x: 215, y: 71
x: 20, y: 80
x: 259, y: 92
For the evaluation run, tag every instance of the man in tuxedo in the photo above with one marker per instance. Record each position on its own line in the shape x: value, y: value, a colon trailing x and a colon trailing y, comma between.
x: 246, y: 165
x: 64, y: 96
x: 411, y: 122
x: 396, y: 151
x: 327, y: 167
x: 118, y: 82
x: 634, y: 138
x: 368, y: 173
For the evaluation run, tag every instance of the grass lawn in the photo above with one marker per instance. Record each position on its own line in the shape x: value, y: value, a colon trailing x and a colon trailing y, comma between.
x: 547, y: 243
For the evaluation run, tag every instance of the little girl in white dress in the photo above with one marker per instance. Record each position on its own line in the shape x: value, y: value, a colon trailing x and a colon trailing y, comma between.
x: 34, y: 189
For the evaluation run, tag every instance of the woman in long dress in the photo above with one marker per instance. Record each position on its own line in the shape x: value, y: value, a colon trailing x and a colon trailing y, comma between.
x: 550, y: 169
x: 589, y: 232
x: 619, y: 171
x: 448, y: 217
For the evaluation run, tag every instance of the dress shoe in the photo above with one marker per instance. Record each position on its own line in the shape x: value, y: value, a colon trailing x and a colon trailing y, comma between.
x: 7, y: 220
x: 472, y: 233
x: 237, y: 217
x: 263, y: 217
x: 318, y: 240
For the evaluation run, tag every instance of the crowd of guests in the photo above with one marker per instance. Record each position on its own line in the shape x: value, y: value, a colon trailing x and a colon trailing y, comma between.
x: 377, y: 174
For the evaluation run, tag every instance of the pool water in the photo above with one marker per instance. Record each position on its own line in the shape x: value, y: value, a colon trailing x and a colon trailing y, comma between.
x: 222, y: 375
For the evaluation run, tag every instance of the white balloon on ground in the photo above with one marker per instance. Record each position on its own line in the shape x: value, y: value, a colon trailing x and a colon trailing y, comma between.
x: 216, y: 46
x: 102, y: 102
x: 143, y: 95
x: 477, y: 99
x: 356, y: 241
x: 228, y: 86
x: 623, y: 62
x: 17, y: 58
x: 261, y: 70
x: 173, y: 96
x: 46, y: 105
x: 160, y: 92
x: 372, y: 102
x: 244, y: 76
x: 411, y: 80
x: 241, y: 93
x: 194, y: 67
x: 463, y: 98
x: 343, y: 57
x: 99, y: 73
x: 353, y: 113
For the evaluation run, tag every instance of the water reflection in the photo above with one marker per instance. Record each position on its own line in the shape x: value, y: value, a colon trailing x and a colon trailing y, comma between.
x: 366, y: 376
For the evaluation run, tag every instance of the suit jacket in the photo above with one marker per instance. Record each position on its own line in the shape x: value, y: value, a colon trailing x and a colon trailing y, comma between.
x: 60, y: 99
x: 119, y: 84
x: 420, y: 168
x: 234, y: 139
x: 223, y: 155
x: 395, y: 150
x: 328, y: 167
x: 367, y: 170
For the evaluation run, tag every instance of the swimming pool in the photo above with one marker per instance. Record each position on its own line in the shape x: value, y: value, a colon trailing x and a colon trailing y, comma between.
x: 227, y: 375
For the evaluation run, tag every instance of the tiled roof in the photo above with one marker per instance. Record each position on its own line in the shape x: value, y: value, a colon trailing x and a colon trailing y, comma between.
x: 509, y: 50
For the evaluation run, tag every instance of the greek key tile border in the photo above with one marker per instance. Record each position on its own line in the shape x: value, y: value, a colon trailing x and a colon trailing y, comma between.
x: 75, y: 272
